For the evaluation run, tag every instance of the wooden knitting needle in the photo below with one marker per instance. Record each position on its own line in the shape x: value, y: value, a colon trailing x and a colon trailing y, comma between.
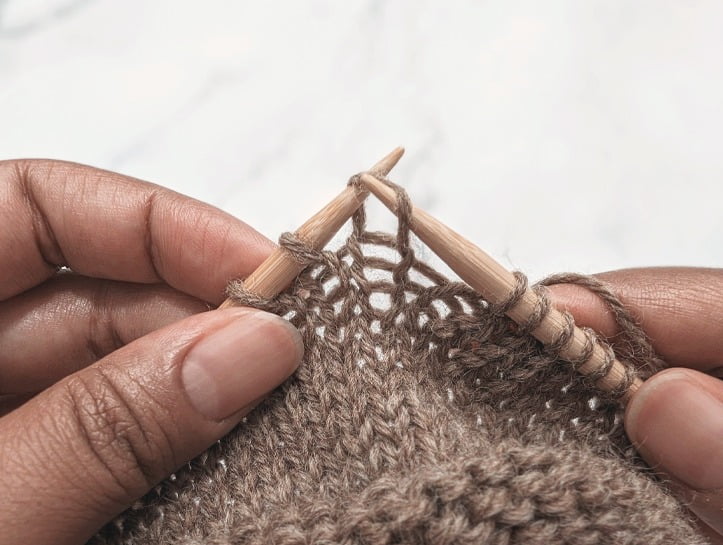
x: 277, y: 272
x: 495, y: 284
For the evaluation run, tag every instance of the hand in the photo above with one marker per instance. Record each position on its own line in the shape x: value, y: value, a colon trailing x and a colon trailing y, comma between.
x: 675, y: 420
x: 103, y: 391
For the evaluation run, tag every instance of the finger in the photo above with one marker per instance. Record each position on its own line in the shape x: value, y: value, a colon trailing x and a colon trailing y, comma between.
x: 675, y: 421
x: 11, y: 402
x: 111, y: 226
x: 680, y: 309
x: 71, y: 321
x: 79, y: 453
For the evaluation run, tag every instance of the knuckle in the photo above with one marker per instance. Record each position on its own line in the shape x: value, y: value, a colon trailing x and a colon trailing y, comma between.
x: 102, y: 334
x: 122, y: 442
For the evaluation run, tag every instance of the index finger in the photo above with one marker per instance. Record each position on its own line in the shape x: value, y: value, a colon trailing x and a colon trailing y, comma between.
x: 679, y: 308
x: 106, y: 225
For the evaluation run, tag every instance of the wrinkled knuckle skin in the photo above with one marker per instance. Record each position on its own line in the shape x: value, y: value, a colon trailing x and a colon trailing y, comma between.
x: 113, y: 436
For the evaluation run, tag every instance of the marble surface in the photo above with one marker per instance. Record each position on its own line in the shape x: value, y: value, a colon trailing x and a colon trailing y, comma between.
x: 559, y: 135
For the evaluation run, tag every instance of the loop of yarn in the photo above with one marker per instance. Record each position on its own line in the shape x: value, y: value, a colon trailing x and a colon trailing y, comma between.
x: 501, y: 308
x: 355, y: 181
x: 632, y: 342
x: 242, y: 297
x: 404, y: 218
x: 542, y: 307
x: 302, y: 253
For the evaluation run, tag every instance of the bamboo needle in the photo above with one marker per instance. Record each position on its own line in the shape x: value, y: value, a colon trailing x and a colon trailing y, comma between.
x: 495, y: 284
x: 277, y: 272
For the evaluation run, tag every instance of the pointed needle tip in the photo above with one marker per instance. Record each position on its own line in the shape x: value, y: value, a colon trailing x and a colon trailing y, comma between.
x: 385, y: 165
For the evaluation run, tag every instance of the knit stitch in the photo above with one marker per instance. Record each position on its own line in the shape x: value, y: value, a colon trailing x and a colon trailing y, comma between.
x: 420, y: 415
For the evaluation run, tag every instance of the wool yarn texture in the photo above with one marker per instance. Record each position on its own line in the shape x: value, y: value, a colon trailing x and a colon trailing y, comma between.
x: 420, y: 415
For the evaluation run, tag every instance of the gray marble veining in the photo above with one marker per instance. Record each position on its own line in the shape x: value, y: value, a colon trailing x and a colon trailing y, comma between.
x: 561, y: 135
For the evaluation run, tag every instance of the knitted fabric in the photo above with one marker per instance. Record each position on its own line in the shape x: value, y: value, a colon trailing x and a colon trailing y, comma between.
x: 419, y: 415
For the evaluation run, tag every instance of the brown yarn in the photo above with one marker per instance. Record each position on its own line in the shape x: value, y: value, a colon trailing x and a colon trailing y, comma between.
x: 420, y: 415
x: 632, y: 343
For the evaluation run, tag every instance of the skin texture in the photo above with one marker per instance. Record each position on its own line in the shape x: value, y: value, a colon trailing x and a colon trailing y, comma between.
x: 105, y: 369
x: 676, y: 418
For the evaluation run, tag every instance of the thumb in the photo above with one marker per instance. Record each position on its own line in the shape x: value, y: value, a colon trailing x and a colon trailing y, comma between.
x: 82, y: 451
x: 676, y: 422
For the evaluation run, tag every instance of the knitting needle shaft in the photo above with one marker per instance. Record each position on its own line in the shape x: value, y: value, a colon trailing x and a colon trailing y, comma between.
x: 277, y: 272
x: 495, y: 284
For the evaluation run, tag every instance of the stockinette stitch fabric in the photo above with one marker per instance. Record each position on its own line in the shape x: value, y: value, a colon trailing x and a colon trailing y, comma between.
x: 420, y: 415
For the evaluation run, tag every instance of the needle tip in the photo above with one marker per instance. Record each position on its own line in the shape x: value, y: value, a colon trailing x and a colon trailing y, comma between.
x: 385, y: 165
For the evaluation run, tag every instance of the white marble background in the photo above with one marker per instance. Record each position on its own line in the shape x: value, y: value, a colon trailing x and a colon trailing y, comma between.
x: 558, y: 135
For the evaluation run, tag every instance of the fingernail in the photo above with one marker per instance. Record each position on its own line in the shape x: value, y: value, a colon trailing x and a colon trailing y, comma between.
x: 241, y: 362
x: 677, y: 425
